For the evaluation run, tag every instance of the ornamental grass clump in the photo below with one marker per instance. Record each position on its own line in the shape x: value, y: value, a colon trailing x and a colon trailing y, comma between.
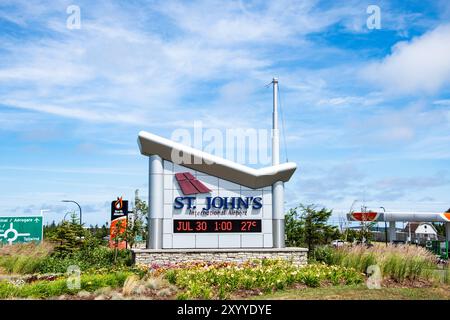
x: 23, y: 258
x: 209, y: 281
x: 396, y: 262
x: 447, y: 275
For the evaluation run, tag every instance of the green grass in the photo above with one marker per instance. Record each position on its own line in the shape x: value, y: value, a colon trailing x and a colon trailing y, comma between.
x: 47, y: 289
x: 360, y: 292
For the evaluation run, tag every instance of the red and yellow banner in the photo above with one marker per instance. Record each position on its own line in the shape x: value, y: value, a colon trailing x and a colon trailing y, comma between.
x: 119, y: 218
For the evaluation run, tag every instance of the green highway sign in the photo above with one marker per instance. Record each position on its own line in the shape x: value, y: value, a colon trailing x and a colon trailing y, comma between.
x: 20, y: 229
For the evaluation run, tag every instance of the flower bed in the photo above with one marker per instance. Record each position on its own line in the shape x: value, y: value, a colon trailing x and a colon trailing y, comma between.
x: 212, y: 281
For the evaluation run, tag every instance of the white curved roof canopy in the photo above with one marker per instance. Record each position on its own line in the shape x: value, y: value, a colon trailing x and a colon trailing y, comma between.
x: 151, y: 144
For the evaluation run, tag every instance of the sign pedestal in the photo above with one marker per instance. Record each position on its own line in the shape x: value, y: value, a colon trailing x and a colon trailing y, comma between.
x: 152, y: 257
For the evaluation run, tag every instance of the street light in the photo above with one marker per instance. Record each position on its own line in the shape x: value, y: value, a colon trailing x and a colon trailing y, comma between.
x: 64, y: 219
x: 42, y: 215
x: 79, y: 207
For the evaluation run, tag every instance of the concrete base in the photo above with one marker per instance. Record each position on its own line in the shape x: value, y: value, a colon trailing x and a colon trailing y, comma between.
x: 153, y: 257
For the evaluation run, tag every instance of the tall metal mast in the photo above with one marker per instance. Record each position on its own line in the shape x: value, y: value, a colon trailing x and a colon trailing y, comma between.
x: 275, y: 130
x: 277, y: 187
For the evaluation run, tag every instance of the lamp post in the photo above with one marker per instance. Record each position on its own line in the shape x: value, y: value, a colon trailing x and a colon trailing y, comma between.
x: 64, y: 219
x: 79, y: 207
x: 42, y: 215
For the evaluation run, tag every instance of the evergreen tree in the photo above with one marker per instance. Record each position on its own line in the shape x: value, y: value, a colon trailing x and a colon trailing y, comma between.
x: 440, y: 228
x: 305, y: 225
x: 69, y: 237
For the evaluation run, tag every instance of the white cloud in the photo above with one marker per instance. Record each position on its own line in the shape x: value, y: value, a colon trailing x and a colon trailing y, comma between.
x: 86, y: 114
x: 350, y: 101
x: 113, y: 67
x: 245, y: 22
x: 443, y: 102
x: 421, y: 65
x: 78, y: 171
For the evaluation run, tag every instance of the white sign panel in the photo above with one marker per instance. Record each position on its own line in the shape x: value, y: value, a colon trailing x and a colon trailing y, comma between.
x: 203, y: 211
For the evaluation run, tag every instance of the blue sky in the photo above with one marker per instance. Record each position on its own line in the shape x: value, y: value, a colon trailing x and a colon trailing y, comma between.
x: 367, y: 111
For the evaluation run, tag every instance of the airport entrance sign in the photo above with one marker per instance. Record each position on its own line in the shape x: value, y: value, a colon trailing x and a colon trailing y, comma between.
x: 21, y: 229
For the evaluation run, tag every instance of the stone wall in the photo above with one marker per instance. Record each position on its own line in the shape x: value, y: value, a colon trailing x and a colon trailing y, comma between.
x: 298, y: 256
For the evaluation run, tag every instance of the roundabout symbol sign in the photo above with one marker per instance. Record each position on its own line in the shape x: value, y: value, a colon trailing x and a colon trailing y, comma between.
x: 20, y: 229
x: 14, y: 232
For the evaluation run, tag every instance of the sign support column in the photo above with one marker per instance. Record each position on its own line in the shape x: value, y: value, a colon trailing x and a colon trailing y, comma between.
x: 447, y: 231
x: 156, y: 202
x: 277, y: 187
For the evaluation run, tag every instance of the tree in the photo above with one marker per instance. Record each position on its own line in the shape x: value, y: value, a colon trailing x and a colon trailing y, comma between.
x: 49, y: 230
x: 137, y: 221
x: 440, y: 228
x: 305, y: 225
x: 118, y: 235
x: 365, y: 234
x: 315, y: 224
x: 351, y: 235
x: 69, y: 237
x: 294, y: 228
x: 140, y: 213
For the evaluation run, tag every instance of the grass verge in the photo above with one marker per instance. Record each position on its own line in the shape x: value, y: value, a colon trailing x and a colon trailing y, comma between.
x: 360, y: 292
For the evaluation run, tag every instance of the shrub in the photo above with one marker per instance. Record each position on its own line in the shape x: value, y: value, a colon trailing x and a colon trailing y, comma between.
x: 87, y: 259
x: 323, y: 254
